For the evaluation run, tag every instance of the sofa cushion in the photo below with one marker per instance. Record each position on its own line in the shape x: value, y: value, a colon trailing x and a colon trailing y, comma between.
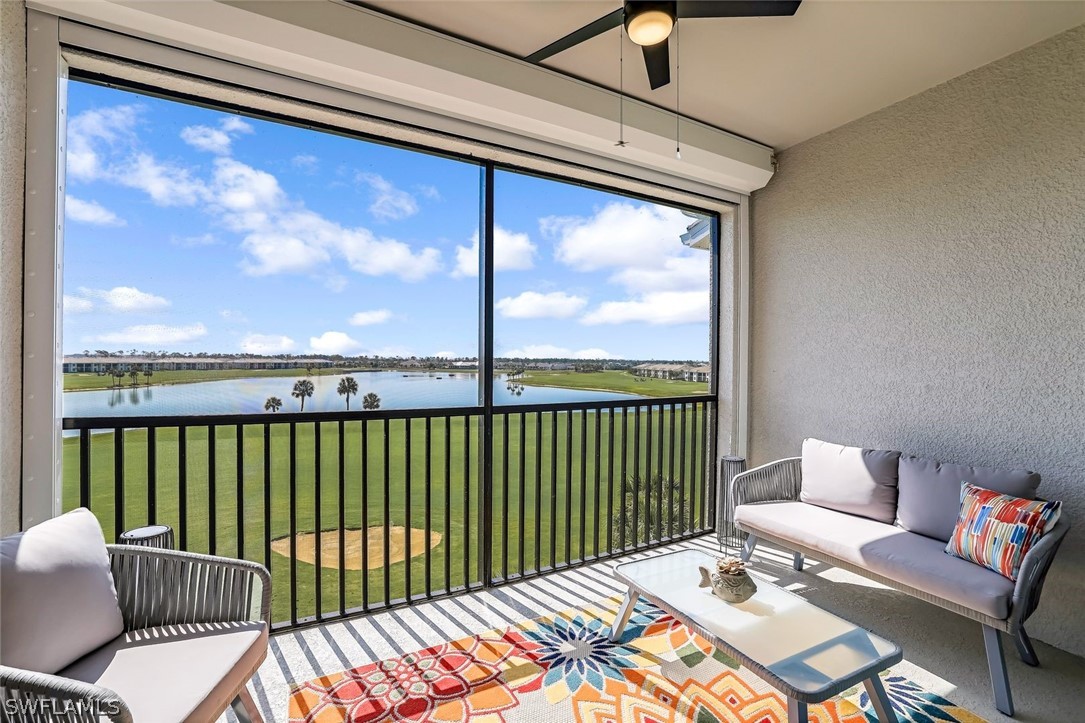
x: 178, y: 672
x: 56, y: 593
x: 850, y: 479
x: 907, y: 558
x: 997, y: 531
x: 929, y: 492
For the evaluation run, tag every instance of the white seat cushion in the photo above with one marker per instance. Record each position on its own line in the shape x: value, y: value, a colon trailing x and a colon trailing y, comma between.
x: 907, y: 558
x: 178, y: 672
x: 850, y: 479
x: 57, y: 597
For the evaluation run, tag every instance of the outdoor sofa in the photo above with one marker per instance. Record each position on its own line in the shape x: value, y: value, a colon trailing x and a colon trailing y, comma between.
x: 90, y: 631
x: 888, y: 516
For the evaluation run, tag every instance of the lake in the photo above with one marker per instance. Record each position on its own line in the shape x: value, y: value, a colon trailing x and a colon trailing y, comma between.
x: 397, y: 390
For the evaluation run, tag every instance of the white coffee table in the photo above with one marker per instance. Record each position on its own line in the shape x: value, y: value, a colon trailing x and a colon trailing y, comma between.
x: 806, y: 653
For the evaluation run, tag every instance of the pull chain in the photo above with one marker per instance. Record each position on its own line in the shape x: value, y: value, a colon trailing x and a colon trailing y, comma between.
x: 621, y: 86
x: 677, y: 92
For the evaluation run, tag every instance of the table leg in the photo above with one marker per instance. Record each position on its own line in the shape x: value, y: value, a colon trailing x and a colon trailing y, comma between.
x: 882, y: 705
x: 623, y: 614
x: 796, y: 711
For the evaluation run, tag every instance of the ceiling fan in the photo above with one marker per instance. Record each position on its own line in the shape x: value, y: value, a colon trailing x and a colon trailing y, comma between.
x: 649, y: 22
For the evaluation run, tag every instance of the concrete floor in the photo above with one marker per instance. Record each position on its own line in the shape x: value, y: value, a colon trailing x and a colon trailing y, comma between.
x: 944, y: 649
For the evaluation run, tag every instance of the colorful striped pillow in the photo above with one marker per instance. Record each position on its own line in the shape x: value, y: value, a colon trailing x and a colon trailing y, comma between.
x: 996, y: 530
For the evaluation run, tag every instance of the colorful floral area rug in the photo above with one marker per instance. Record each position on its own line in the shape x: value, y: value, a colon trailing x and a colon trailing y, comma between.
x: 563, y: 669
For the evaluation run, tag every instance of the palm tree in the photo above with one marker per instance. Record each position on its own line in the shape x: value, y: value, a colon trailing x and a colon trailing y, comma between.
x: 148, y: 374
x: 302, y: 388
x: 134, y: 375
x: 273, y: 404
x: 347, y: 386
x: 371, y: 401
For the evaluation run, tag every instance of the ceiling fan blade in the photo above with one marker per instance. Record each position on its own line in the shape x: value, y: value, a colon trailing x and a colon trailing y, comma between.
x: 589, y: 31
x: 736, y: 8
x: 657, y: 60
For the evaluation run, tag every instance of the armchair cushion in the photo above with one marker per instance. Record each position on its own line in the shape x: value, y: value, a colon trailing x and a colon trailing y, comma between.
x: 177, y: 672
x: 57, y: 598
x: 850, y: 479
x: 930, y: 492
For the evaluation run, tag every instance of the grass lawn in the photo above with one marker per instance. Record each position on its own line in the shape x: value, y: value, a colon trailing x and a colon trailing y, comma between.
x: 567, y: 482
x: 614, y: 381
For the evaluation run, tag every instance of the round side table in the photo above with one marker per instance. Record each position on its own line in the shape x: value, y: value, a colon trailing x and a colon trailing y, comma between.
x: 149, y: 536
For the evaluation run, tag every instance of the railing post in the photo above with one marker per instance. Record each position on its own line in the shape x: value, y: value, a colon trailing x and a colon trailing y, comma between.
x: 486, y: 374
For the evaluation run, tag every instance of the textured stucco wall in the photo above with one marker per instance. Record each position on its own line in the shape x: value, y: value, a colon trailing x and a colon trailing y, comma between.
x: 12, y: 140
x: 919, y: 284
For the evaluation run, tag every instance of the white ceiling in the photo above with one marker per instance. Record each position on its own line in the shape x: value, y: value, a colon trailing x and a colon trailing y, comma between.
x: 778, y: 81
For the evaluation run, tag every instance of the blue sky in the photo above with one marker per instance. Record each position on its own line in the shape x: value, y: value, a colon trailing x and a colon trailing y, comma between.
x: 191, y: 229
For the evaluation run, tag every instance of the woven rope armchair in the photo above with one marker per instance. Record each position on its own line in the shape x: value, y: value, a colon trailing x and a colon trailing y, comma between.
x: 154, y: 588
x: 781, y: 481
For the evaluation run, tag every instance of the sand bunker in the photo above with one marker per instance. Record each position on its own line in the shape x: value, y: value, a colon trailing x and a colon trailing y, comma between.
x: 374, y: 544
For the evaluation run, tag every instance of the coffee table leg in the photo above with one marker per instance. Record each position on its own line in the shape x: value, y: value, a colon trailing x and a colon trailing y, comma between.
x: 880, y: 700
x: 623, y: 615
x: 796, y: 711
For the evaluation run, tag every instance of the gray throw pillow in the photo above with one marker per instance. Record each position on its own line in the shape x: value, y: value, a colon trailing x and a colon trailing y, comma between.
x: 930, y: 492
x: 57, y: 599
x: 850, y: 479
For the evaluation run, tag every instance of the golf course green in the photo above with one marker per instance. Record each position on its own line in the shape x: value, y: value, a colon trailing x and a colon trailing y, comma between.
x: 442, y: 485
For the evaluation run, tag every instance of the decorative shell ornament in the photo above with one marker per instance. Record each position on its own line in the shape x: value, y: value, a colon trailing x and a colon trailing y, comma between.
x: 729, y: 582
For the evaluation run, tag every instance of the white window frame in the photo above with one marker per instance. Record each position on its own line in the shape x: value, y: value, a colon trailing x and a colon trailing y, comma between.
x: 53, y: 43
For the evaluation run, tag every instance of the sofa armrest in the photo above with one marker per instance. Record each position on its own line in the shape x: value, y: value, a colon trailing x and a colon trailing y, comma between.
x: 777, y: 481
x: 1033, y: 572
x: 165, y: 587
x: 26, y: 695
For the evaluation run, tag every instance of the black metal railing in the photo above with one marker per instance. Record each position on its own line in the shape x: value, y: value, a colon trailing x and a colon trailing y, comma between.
x: 359, y: 511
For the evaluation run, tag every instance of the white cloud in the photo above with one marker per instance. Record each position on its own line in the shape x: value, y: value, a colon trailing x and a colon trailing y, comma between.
x: 333, y: 342
x: 154, y: 335
x: 306, y: 162
x: 206, y: 138
x: 90, y: 212
x: 657, y: 308
x: 166, y: 184
x: 549, y: 351
x: 621, y: 234
x: 93, y: 128
x: 206, y: 239
x: 678, y: 273
x: 512, y: 252
x: 266, y: 344
x: 77, y: 305
x: 282, y: 236
x: 446, y: 355
x: 388, y: 202
x: 235, y: 124
x: 100, y: 144
x: 215, y: 140
x: 533, y: 305
x: 120, y: 299
x: 369, y: 318
x: 233, y: 316
x: 428, y: 191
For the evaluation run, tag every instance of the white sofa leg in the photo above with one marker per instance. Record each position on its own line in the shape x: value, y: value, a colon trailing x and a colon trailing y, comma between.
x: 747, y: 549
x: 996, y: 661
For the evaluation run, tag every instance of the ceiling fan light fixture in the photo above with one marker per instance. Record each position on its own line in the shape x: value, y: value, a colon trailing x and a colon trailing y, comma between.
x: 649, y: 23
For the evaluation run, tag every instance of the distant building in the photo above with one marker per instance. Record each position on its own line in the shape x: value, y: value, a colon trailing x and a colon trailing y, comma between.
x: 684, y: 372
x: 81, y: 363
